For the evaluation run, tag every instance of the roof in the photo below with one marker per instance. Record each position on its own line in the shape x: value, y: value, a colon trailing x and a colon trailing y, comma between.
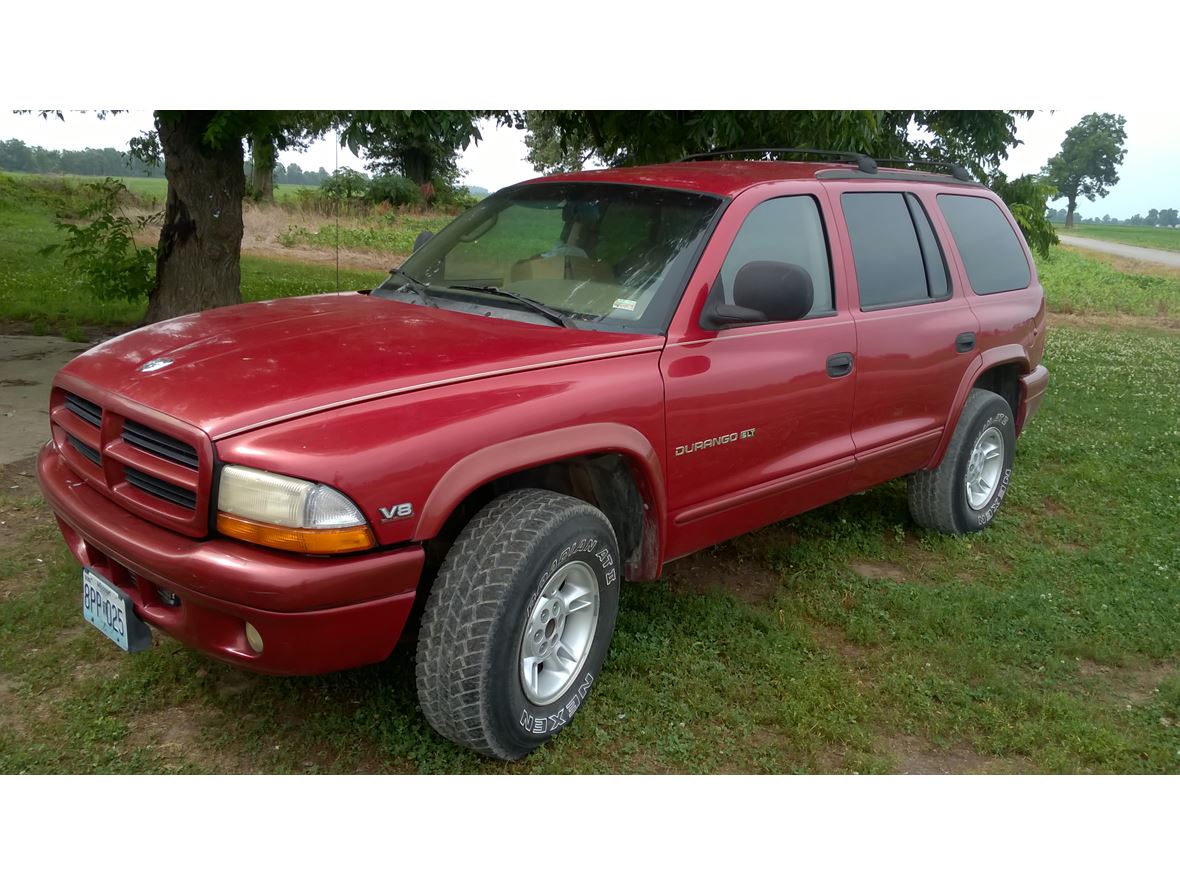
x: 727, y: 178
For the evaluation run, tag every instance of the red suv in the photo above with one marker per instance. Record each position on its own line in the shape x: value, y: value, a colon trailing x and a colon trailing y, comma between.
x: 582, y: 378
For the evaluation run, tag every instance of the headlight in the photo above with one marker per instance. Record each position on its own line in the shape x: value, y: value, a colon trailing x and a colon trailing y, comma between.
x: 288, y: 513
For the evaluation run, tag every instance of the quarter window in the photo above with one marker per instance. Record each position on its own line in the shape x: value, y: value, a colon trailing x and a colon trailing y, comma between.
x: 785, y: 229
x: 991, y: 253
x: 897, y: 256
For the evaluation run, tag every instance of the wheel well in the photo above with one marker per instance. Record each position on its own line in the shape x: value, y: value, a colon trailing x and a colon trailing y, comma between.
x: 1003, y: 379
x: 605, y: 480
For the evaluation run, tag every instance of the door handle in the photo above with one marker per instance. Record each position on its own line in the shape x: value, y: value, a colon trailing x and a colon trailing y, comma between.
x: 965, y: 342
x: 839, y: 364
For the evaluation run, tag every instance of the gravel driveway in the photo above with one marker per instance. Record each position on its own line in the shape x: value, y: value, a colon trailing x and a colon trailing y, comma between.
x: 1137, y: 253
x: 27, y: 366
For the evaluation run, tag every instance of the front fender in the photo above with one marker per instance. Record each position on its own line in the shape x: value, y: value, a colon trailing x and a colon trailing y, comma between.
x: 510, y: 456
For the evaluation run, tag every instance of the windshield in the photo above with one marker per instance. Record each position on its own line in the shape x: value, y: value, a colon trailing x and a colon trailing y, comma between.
x: 604, y: 255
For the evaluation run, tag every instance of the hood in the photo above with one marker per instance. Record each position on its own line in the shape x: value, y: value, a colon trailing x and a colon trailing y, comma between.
x: 241, y: 367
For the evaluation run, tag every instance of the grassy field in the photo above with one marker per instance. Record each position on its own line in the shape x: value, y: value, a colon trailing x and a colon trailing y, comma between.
x: 1149, y: 237
x: 38, y: 290
x: 843, y: 640
x: 155, y: 189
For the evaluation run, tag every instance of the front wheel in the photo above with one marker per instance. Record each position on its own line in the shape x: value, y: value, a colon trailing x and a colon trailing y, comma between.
x: 964, y: 492
x: 518, y: 622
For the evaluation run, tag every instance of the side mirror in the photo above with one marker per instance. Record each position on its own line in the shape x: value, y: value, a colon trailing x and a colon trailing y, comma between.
x: 717, y: 315
x: 422, y: 239
x: 781, y: 291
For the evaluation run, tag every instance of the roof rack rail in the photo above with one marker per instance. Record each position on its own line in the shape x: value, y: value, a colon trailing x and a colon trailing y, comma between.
x: 958, y: 171
x: 863, y: 163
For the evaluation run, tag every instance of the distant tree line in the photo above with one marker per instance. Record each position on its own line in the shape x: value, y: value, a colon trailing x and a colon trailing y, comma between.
x: 16, y: 156
x: 1154, y: 218
x: 292, y: 173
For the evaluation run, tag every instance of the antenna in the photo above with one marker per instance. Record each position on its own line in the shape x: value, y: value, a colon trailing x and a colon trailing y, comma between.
x: 336, y: 173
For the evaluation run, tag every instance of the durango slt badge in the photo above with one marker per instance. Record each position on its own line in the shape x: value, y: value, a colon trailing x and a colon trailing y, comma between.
x: 715, y: 441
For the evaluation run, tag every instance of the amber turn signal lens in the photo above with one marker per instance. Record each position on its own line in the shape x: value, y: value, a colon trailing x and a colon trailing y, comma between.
x: 345, y: 540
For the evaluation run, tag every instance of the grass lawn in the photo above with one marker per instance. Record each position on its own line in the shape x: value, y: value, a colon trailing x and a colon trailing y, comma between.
x: 843, y: 640
x: 1150, y: 237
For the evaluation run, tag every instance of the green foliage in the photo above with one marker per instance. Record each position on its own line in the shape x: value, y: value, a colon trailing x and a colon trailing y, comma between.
x: 344, y: 184
x: 980, y: 139
x: 103, y: 252
x: 394, y: 189
x: 1088, y: 162
x: 421, y: 145
x: 1026, y: 197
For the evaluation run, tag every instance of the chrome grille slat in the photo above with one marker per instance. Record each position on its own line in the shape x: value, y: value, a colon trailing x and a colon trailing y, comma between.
x: 150, y: 440
x: 160, y: 488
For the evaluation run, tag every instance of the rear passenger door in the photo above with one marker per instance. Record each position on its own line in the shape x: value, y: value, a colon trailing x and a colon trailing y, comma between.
x: 916, y: 334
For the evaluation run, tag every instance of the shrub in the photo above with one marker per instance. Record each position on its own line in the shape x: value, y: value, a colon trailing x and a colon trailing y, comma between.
x: 396, y: 190
x: 103, y: 253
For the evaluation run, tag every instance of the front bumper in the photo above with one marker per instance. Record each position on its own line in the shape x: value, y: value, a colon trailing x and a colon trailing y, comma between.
x: 315, y: 614
x: 1032, y: 392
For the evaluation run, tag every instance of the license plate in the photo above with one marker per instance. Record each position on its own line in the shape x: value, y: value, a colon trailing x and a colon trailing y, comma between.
x: 111, y: 611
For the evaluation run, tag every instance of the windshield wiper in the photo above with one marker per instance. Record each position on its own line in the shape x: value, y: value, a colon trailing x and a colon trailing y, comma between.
x: 555, y: 315
x: 418, y: 286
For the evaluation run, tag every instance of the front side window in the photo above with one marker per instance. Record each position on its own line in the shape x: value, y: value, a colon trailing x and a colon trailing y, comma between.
x: 786, y: 229
x: 897, y: 256
x: 606, y: 256
x: 991, y: 253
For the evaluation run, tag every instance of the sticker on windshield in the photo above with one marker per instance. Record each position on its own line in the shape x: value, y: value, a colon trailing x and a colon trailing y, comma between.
x: 624, y: 304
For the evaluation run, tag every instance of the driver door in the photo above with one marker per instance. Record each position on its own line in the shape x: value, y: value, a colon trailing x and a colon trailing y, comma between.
x: 759, y: 416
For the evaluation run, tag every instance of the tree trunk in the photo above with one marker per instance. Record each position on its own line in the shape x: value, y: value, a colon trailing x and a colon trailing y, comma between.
x: 198, y: 263
x: 416, y: 165
x: 262, y: 181
x: 1073, y: 204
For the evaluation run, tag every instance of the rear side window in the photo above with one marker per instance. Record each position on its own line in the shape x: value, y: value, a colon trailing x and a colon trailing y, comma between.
x: 897, y: 256
x: 991, y: 253
x: 783, y: 229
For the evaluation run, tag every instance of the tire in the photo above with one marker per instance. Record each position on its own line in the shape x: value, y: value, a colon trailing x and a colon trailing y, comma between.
x: 941, y: 498
x: 473, y: 653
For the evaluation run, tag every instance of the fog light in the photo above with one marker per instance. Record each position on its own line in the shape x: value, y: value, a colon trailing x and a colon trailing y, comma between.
x: 254, y: 638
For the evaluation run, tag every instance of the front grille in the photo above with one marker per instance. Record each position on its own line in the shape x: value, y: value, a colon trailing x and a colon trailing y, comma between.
x: 155, y: 467
x: 143, y: 437
x: 84, y: 409
x: 90, y: 454
x: 160, y: 488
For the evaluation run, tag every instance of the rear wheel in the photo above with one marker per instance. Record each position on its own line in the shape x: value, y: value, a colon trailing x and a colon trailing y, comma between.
x: 518, y: 622
x: 964, y: 492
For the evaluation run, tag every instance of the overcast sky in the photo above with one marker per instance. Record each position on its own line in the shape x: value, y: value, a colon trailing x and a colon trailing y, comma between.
x: 1148, y: 177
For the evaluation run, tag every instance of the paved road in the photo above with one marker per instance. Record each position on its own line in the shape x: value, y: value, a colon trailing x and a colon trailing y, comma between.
x: 27, y: 366
x: 1137, y: 253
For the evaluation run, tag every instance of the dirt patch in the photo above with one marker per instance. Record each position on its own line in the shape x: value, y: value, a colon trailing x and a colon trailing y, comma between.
x: 879, y: 571
x: 914, y: 755
x: 835, y: 639
x: 10, y: 720
x: 725, y: 568
x: 1118, y: 321
x: 1130, y: 684
x: 19, y: 479
x: 179, y: 737
x: 1052, y: 508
